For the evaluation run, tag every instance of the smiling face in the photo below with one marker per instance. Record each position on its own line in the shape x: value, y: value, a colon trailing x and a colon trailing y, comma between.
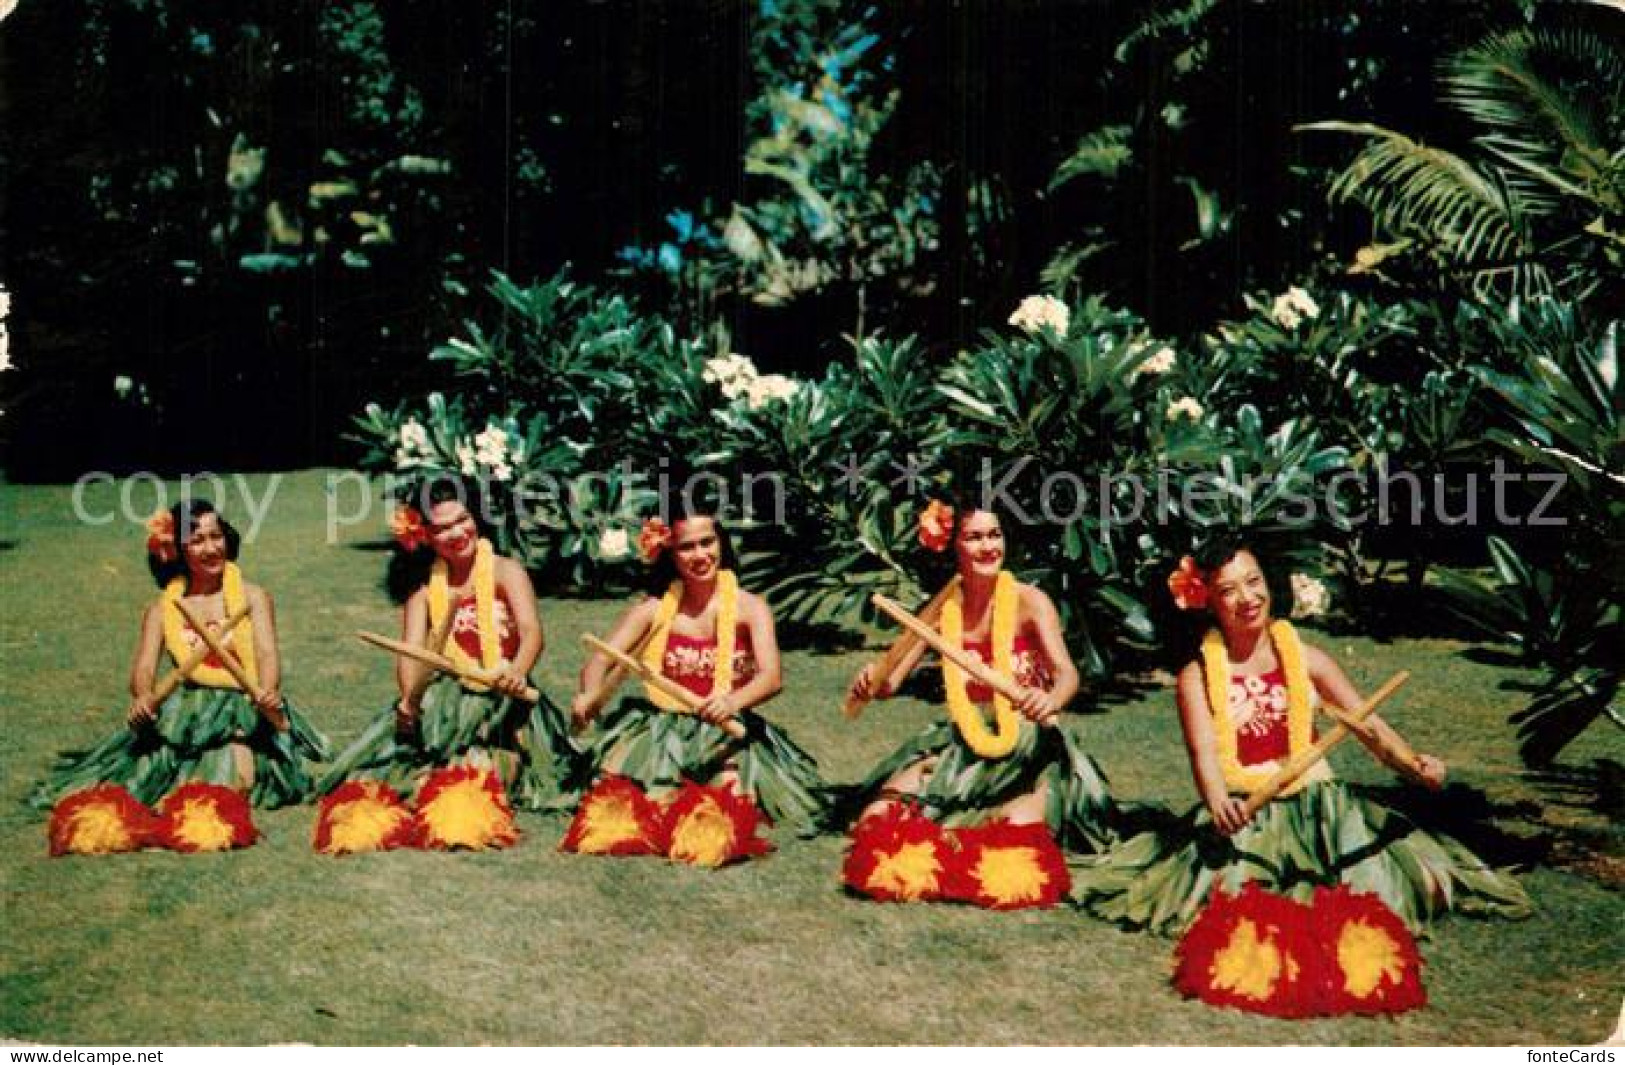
x: 206, y: 549
x: 979, y: 545
x: 452, y: 532
x: 1239, y: 596
x: 696, y: 548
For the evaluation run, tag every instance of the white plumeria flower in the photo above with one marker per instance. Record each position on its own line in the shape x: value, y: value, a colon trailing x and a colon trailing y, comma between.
x: 768, y: 389
x: 1309, y: 596
x: 1036, y: 312
x: 731, y: 371
x: 1304, y: 302
x: 122, y: 384
x: 1293, y: 307
x: 614, y: 544
x: 492, y: 444
x: 1185, y: 407
x: 414, y: 437
x: 1163, y: 361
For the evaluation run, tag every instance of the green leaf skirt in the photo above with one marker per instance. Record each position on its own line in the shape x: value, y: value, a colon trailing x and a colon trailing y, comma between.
x: 660, y: 750
x: 1326, y: 834
x: 966, y: 789
x: 528, y: 746
x: 192, y: 739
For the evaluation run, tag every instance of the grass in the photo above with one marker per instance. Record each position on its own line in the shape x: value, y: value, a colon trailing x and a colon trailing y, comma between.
x: 278, y: 944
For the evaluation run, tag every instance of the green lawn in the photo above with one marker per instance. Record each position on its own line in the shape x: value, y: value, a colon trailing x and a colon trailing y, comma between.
x: 278, y: 944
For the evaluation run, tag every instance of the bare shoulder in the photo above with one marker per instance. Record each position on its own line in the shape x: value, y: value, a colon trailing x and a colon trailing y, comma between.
x: 1190, y: 677
x: 1035, y: 602
x: 257, y: 596
x: 644, y: 610
x: 509, y: 570
x: 1317, y: 660
x: 753, y: 607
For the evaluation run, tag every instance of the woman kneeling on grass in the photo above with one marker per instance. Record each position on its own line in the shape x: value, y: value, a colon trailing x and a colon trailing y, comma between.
x: 1247, y: 705
x: 208, y: 728
x: 1012, y: 799
x: 718, y: 763
x: 462, y: 600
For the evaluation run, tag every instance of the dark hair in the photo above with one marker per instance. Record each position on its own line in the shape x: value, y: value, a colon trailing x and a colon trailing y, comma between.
x: 664, y: 570
x: 945, y: 563
x: 1221, y: 548
x: 1210, y: 556
x: 184, y: 516
x: 409, y: 570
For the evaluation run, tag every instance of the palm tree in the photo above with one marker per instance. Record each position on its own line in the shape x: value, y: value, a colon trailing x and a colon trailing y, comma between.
x: 1536, y: 204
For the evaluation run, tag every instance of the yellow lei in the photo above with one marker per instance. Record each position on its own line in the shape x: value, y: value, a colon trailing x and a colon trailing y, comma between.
x: 485, y: 613
x: 966, y: 716
x: 654, y: 652
x: 231, y: 589
x: 1300, y: 720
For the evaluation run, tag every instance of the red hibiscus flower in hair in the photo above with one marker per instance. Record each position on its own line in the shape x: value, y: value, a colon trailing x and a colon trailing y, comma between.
x: 161, y: 536
x: 936, y: 525
x: 407, y: 526
x: 1188, y: 587
x: 653, y: 539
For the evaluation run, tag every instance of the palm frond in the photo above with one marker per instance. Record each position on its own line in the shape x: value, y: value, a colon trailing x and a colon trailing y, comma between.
x: 1180, y: 19
x: 1103, y: 152
x: 1520, y: 86
x: 1413, y: 188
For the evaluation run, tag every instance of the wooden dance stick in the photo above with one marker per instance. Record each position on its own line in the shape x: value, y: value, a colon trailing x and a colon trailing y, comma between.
x: 277, y: 718
x: 437, y: 645
x: 636, y: 666
x: 882, y: 668
x: 973, y: 666
x: 1390, y: 748
x: 617, y: 673
x: 177, y: 676
x: 1300, y: 765
x: 442, y: 663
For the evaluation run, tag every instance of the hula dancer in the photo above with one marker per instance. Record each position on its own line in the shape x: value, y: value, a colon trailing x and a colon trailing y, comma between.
x: 709, y: 757
x: 1247, y: 704
x: 464, y: 601
x: 206, y: 727
x: 1024, y: 784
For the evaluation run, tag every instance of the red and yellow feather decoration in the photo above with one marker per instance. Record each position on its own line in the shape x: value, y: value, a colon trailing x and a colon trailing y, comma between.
x: 615, y: 818
x: 464, y: 806
x: 200, y: 817
x: 898, y: 855
x: 712, y: 826
x: 1007, y: 867
x: 1371, y: 962
x: 360, y: 816
x: 1253, y: 951
x: 104, y: 819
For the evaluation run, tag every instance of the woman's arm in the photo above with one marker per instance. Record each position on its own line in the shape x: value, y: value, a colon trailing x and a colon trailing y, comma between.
x: 149, y: 643
x: 1336, y: 688
x: 626, y: 634
x: 1037, y: 704
x: 521, y: 596
x: 1229, y: 812
x: 415, y: 631
x: 865, y: 685
x: 769, y: 679
x: 267, y: 655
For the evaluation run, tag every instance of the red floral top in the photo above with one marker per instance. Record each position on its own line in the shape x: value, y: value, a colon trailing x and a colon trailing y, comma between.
x: 1258, y: 708
x: 1027, y: 662
x: 194, y: 642
x: 465, y: 626
x: 692, y: 661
